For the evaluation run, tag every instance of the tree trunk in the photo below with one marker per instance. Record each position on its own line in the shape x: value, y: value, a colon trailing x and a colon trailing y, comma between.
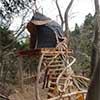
x: 94, y: 89
x: 60, y: 15
x: 66, y: 18
x: 1, y: 66
x: 96, y: 43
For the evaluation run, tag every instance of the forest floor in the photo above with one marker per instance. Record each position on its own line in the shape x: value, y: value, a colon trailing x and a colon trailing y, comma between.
x: 29, y: 93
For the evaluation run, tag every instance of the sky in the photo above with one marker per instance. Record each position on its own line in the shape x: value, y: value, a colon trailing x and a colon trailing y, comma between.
x: 78, y: 11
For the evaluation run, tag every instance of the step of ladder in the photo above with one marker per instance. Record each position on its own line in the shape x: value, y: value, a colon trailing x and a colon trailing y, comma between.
x: 50, y: 95
x: 55, y: 70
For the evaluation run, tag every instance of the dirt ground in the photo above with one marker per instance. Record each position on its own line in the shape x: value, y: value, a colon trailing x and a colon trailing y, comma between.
x: 29, y: 93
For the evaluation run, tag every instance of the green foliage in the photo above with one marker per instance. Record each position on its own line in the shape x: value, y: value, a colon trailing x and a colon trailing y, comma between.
x: 89, y: 22
x: 81, y: 41
x: 24, y: 44
x: 7, y: 36
x: 8, y: 58
x: 76, y: 30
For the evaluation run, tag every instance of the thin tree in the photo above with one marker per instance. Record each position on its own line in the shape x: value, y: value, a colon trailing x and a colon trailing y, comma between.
x: 60, y: 14
x: 65, y: 19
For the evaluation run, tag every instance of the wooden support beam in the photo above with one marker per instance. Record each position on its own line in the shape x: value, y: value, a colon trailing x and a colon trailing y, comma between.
x: 20, y: 72
x: 38, y: 77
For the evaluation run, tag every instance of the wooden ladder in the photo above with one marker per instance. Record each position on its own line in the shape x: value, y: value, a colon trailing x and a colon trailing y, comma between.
x: 53, y: 70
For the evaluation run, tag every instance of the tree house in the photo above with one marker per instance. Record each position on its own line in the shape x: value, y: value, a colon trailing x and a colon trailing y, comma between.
x: 54, y: 62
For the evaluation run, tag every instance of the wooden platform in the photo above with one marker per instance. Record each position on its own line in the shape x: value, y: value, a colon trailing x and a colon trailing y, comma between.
x: 39, y: 51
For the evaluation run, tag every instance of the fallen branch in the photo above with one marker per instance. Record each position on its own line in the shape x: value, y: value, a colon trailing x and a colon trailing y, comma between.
x: 69, y: 95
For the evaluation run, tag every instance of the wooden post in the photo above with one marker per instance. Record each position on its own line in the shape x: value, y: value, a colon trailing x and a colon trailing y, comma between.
x: 38, y: 77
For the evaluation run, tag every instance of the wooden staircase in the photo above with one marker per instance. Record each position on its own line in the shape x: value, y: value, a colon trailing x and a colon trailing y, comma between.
x: 60, y: 79
x: 55, y: 68
x: 55, y: 65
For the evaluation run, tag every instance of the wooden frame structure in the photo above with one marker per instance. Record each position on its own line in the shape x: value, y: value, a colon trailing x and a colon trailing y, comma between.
x: 71, y: 80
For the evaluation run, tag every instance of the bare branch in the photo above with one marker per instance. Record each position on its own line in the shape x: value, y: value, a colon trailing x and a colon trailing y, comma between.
x: 18, y: 32
x: 60, y: 15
